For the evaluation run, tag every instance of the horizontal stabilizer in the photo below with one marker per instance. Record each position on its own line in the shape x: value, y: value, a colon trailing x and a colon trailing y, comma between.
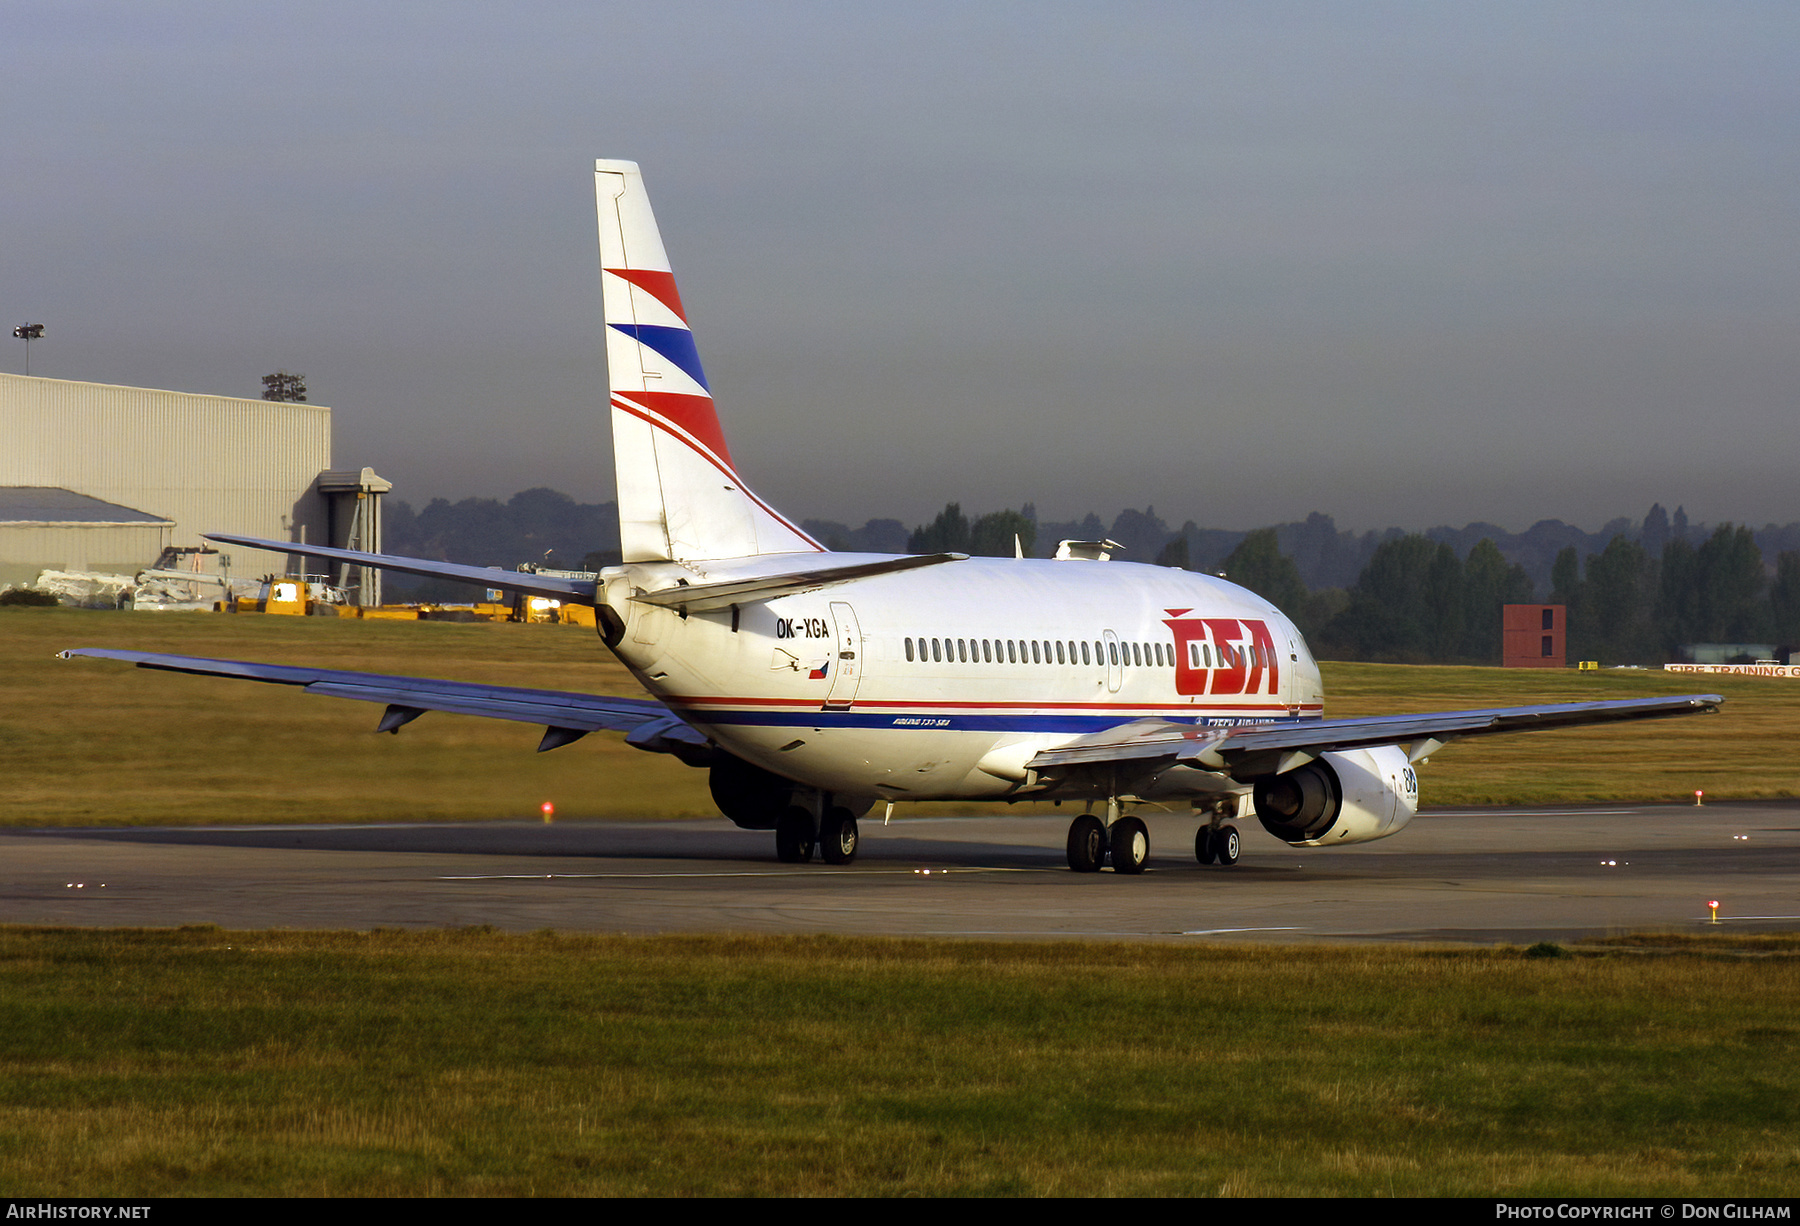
x: 578, y: 591
x: 702, y: 597
x: 1249, y: 749
x: 568, y: 715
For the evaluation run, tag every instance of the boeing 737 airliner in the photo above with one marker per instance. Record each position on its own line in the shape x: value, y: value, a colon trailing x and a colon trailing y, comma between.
x: 813, y: 684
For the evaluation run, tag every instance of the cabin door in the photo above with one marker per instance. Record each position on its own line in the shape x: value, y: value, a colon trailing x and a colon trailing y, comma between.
x: 846, y: 657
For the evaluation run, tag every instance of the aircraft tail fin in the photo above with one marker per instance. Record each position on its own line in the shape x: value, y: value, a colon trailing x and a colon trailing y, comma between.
x: 680, y: 497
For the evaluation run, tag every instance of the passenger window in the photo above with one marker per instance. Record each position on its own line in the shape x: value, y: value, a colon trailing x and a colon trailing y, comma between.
x: 1084, y: 652
x: 1034, y: 652
x: 987, y: 652
x: 1012, y: 657
x: 934, y: 650
x: 962, y: 650
x: 909, y: 649
x: 1059, y: 651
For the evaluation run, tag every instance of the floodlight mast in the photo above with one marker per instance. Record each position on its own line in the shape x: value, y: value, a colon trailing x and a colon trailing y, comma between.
x: 29, y: 333
x: 284, y: 386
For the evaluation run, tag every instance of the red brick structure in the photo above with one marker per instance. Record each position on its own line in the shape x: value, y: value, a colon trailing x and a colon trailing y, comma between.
x: 1534, y: 636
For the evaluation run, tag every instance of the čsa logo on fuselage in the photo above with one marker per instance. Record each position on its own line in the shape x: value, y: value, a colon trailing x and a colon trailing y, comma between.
x: 1223, y: 655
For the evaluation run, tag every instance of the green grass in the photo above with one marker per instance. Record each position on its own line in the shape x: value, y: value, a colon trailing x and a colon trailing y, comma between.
x: 1744, y: 752
x: 90, y: 742
x: 464, y: 1063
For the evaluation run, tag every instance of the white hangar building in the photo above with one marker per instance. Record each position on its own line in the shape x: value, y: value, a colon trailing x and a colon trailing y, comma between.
x: 95, y: 477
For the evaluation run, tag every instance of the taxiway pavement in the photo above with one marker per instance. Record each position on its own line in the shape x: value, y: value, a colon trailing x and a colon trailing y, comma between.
x: 1483, y: 876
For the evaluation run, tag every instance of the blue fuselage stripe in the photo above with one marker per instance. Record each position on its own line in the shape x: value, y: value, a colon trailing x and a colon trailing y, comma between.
x: 970, y: 721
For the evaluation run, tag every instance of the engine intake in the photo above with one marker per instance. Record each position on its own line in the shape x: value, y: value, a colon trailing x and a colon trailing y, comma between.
x: 1349, y: 797
x: 1300, y: 805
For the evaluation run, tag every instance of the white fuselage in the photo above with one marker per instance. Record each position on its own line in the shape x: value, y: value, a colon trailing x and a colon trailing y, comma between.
x: 942, y: 683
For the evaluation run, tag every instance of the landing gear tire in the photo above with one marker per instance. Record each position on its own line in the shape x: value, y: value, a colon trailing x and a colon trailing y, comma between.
x: 794, y: 837
x: 1087, y: 844
x: 837, y: 836
x: 1130, y: 846
x: 1225, y: 845
x: 1203, y: 845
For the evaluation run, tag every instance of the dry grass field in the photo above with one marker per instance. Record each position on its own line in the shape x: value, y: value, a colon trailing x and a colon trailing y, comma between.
x: 1746, y: 752
x: 92, y: 742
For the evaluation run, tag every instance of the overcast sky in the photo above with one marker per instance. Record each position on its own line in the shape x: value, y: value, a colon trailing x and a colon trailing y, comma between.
x: 1401, y: 263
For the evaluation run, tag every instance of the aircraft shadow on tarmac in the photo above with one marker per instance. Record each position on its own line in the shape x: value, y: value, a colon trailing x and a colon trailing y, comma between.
x: 675, y: 841
x: 956, y: 847
x: 679, y: 841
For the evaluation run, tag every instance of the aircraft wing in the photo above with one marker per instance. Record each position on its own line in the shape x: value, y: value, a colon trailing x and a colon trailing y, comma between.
x: 1256, y: 749
x: 580, y: 591
x: 566, y: 717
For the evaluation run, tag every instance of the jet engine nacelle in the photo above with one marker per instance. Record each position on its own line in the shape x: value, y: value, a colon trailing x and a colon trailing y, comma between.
x: 755, y: 798
x: 749, y: 795
x: 1351, y: 797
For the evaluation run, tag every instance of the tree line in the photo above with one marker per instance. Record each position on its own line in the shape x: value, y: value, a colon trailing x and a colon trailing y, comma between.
x: 1636, y: 592
x: 1419, y: 600
x: 1627, y: 605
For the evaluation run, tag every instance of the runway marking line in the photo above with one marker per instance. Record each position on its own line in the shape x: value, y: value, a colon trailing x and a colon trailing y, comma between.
x: 1529, y: 813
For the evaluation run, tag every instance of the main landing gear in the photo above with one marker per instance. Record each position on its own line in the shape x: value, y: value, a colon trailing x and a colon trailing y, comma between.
x: 1217, y: 843
x: 1127, y: 843
x: 797, y: 834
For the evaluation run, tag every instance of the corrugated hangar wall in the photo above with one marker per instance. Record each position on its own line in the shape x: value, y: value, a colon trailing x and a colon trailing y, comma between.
x: 207, y: 463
